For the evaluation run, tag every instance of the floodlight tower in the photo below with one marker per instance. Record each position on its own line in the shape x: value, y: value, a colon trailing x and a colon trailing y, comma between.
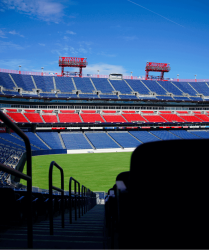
x: 157, y: 67
x: 72, y: 62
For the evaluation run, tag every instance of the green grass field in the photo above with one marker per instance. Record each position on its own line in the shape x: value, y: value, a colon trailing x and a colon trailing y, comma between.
x: 95, y: 171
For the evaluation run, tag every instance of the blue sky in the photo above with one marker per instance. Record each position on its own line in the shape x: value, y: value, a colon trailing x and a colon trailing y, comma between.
x: 116, y: 36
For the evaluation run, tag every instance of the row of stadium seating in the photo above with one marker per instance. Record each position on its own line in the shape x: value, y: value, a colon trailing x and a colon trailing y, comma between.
x: 58, y: 116
x: 97, y: 140
x: 66, y: 87
x: 9, y: 156
x: 12, y: 146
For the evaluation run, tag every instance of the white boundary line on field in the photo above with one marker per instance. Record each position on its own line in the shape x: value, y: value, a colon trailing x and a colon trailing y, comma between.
x: 111, y: 150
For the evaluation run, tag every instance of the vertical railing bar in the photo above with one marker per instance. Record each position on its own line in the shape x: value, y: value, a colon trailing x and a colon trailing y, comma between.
x: 62, y: 199
x: 79, y: 201
x: 50, y: 200
x: 82, y: 200
x: 14, y: 127
x: 52, y: 164
x: 75, y: 201
x: 77, y: 198
x: 70, y: 197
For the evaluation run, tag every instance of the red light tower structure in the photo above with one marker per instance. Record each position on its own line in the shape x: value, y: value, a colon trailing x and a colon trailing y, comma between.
x: 157, y: 67
x: 72, y: 62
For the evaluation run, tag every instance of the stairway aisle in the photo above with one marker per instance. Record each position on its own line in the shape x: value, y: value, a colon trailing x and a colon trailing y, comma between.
x: 88, y: 232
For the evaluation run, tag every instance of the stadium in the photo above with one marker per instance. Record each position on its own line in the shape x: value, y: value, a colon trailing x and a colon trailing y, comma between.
x: 103, y: 158
x: 71, y: 116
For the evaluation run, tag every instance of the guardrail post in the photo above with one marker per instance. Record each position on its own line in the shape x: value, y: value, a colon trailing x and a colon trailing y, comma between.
x: 75, y: 195
x: 53, y: 163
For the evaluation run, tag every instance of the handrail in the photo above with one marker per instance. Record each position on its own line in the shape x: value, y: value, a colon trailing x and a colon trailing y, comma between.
x: 70, y: 196
x: 87, y: 196
x: 53, y: 163
x: 27, y: 177
x: 83, y: 192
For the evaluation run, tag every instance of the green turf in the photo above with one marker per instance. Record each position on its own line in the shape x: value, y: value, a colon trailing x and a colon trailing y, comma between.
x: 95, y: 171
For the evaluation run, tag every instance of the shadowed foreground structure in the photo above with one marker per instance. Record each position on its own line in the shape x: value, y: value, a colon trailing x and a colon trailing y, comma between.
x: 163, y: 204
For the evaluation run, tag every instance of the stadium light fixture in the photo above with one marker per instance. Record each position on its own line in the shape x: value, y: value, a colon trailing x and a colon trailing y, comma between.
x: 19, y: 69
x: 42, y: 71
x: 177, y: 77
x: 195, y: 78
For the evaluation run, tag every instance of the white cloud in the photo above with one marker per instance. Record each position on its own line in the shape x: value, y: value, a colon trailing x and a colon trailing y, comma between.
x: 14, y: 64
x: 106, y: 54
x: 70, y: 32
x: 13, y: 32
x: 5, y: 46
x: 46, y: 10
x: 67, y: 50
x: 42, y: 44
x: 104, y: 69
x: 2, y: 34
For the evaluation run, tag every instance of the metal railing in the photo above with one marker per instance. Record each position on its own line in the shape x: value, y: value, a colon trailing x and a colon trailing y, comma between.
x: 53, y: 163
x: 89, y: 198
x: 75, y: 195
x: 27, y: 177
x: 84, y: 191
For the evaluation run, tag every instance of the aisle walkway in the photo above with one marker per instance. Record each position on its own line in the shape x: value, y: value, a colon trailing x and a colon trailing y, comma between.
x: 88, y: 232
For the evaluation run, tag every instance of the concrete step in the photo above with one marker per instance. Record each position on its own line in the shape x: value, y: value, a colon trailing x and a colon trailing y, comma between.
x: 86, y: 232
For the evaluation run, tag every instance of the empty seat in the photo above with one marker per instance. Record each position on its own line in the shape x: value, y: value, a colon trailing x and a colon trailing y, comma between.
x: 69, y: 118
x: 18, y: 117
x: 92, y: 118
x: 50, y: 118
x: 101, y: 140
x: 75, y: 141
x: 125, y: 139
x: 34, y: 117
x: 114, y: 118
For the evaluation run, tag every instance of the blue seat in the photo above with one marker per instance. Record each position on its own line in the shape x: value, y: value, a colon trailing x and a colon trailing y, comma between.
x: 120, y: 85
x: 64, y: 84
x: 125, y: 139
x: 75, y: 141
x: 23, y: 81
x: 101, y: 140
x: 102, y: 85
x: 51, y: 138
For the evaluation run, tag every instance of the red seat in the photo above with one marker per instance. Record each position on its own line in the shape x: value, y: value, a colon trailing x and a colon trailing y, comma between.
x: 69, y: 118
x: 204, y: 118
x: 172, y: 118
x: 18, y: 117
x: 67, y: 111
x: 109, y: 111
x: 88, y: 111
x: 92, y: 117
x: 134, y: 117
x: 50, y: 118
x: 154, y: 118
x: 34, y: 117
x: 190, y: 118
x: 114, y: 118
